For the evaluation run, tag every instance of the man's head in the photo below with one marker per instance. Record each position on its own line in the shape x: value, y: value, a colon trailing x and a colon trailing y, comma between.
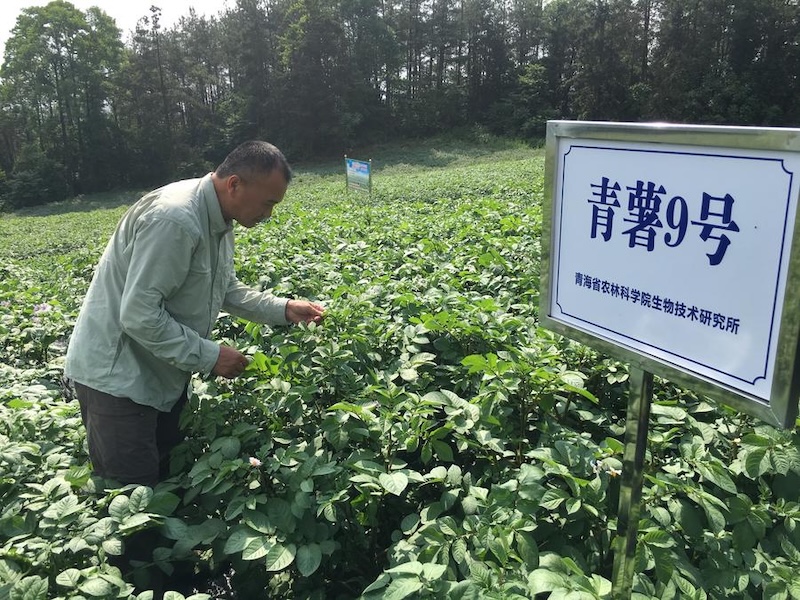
x: 251, y: 181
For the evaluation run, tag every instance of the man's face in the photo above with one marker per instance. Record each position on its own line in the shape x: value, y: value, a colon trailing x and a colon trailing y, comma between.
x: 255, y: 197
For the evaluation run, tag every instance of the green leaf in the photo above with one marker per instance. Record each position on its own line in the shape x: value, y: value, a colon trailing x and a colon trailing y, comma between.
x: 174, y: 529
x: 573, y: 505
x: 664, y: 561
x: 280, y: 556
x: 207, y: 531
x: 581, y: 391
x: 527, y: 549
x: 440, y: 398
x: 409, y: 523
x: 602, y: 586
x: 118, y: 508
x: 228, y: 447
x: 328, y: 547
x: 97, y: 587
x: 163, y: 503
x: 69, y: 578
x: 544, y: 580
x: 258, y: 521
x: 29, y: 588
x: 140, y: 499
x: 280, y: 514
x: 480, y: 572
x: 135, y: 521
x: 423, y: 358
x: 449, y: 498
x: 394, y: 483
x: 614, y: 445
x: 113, y: 546
x: 309, y: 558
x: 437, y: 474
x: 409, y: 374
x: 688, y: 517
x: 464, y: 590
x: 744, y: 537
x: 442, y: 450
x: 454, y: 475
x: 739, y: 508
x: 402, y: 587
x: 716, y: 520
x: 381, y: 582
x: 756, y: 463
x: 718, y: 475
x: 258, y: 547
x: 359, y: 411
x: 782, y: 463
x: 433, y: 571
x: 413, y: 567
x: 459, y: 551
x: 499, y: 547
x: 573, y: 379
x: 63, y: 508
x: 753, y: 439
x: 476, y: 363
x: 658, y: 538
x: 238, y: 539
x: 553, y: 498
x: 469, y: 505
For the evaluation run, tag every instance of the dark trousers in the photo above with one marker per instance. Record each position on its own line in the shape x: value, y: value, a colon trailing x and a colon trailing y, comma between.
x: 131, y: 443
x: 128, y: 442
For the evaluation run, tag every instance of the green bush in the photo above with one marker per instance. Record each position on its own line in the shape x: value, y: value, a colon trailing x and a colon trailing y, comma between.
x: 36, y: 180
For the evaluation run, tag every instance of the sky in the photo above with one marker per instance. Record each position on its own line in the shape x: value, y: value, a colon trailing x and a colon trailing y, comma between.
x: 124, y: 12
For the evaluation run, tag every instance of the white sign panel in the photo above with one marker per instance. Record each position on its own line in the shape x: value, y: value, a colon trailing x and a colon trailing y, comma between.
x: 676, y: 251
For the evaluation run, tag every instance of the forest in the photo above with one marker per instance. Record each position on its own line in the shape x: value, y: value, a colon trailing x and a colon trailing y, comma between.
x: 85, y: 107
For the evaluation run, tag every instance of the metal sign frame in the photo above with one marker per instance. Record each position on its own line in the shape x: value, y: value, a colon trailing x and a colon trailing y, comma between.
x: 781, y: 407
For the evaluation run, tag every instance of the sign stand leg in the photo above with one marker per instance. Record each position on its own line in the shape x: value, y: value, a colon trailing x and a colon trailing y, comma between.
x: 630, y: 495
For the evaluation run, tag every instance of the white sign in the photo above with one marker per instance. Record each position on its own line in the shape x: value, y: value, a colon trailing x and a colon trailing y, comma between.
x: 679, y: 252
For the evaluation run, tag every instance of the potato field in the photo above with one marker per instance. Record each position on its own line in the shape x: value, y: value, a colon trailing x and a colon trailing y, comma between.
x: 427, y: 440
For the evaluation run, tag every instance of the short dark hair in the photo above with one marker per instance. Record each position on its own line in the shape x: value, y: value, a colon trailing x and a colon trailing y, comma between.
x: 254, y: 157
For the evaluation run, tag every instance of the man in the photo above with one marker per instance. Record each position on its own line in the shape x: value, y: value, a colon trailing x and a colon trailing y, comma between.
x: 144, y: 325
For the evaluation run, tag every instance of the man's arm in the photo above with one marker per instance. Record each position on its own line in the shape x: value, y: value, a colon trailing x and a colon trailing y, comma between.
x: 250, y: 304
x: 263, y: 307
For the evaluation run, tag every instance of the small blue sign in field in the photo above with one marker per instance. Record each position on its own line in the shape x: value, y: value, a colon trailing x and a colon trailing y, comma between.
x: 359, y: 174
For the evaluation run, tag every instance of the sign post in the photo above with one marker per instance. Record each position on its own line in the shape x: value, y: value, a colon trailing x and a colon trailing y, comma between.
x: 630, y: 493
x: 673, y: 248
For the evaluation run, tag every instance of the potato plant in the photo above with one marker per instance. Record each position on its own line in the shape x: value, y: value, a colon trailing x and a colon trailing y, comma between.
x: 428, y: 440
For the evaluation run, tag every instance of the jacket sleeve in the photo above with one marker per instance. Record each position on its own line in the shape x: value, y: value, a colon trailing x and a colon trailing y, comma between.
x: 250, y: 304
x: 160, y: 256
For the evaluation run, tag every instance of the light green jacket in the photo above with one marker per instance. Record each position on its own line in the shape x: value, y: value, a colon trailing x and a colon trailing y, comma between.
x: 165, y: 275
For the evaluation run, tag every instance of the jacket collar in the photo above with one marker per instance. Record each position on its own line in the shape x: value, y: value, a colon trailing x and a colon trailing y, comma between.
x: 216, y: 221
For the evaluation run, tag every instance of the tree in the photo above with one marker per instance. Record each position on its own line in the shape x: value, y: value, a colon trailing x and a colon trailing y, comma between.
x: 55, y: 79
x: 488, y: 62
x: 315, y: 76
x: 374, y: 58
x: 320, y: 76
x: 249, y: 48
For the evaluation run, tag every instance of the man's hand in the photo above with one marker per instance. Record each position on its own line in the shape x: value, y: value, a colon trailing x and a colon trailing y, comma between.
x: 231, y: 363
x: 302, y: 311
